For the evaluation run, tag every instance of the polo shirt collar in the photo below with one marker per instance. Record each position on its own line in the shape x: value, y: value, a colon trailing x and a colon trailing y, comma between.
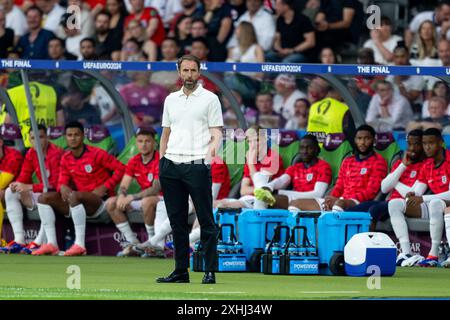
x: 195, y: 93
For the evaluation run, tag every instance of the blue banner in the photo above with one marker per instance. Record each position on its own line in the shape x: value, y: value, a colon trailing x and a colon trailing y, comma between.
x: 340, y: 69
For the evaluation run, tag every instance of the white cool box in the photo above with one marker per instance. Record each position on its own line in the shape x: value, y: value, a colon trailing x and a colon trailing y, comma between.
x: 369, y: 251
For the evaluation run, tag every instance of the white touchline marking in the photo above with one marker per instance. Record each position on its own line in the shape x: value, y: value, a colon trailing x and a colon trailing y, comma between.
x: 331, y: 292
x: 218, y: 292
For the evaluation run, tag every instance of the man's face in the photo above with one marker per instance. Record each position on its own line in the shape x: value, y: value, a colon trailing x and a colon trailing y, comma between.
x: 444, y: 52
x: 6, y: 4
x: 280, y: 7
x: 436, y: 109
x: 199, y: 50
x: 34, y: 19
x: 253, y: 5
x: 198, y: 29
x: 87, y: 50
x: 364, y: 142
x: 74, y: 138
x: 401, y: 57
x: 42, y: 137
x: 102, y: 24
x: 415, y: 148
x: 443, y: 14
x: 431, y: 145
x: 145, y: 144
x: 386, y: 31
x: 308, y: 150
x: 384, y: 91
x: 55, y: 50
x: 189, y: 74
x: 264, y: 103
x: 169, y: 49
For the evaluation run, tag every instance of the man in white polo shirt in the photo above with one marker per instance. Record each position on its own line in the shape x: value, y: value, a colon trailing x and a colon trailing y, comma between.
x: 192, y: 132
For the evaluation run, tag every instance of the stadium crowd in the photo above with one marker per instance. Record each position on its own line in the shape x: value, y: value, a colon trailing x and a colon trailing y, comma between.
x: 314, y: 31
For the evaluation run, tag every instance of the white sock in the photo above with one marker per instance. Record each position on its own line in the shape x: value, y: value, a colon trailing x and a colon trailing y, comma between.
x: 260, y: 179
x: 397, y: 209
x: 47, y: 216
x: 447, y: 227
x: 337, y: 209
x: 161, y: 233
x: 78, y: 214
x: 40, y: 238
x: 194, y: 236
x: 15, y: 215
x: 150, y: 230
x: 125, y: 228
x: 436, y: 208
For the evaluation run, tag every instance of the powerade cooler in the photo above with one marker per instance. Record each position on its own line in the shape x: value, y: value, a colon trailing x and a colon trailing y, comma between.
x: 270, y: 260
x: 369, y: 251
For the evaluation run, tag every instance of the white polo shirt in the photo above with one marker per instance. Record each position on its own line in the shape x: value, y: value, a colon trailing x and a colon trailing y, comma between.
x: 189, y: 119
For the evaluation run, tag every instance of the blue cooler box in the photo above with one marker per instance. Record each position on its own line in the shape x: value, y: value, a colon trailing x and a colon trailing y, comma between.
x: 370, y: 249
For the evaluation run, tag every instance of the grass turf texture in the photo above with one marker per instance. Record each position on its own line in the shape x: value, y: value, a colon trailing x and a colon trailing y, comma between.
x: 29, y: 277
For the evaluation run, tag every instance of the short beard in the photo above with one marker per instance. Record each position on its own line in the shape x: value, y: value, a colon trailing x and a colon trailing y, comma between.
x: 365, y: 153
x: 190, y: 86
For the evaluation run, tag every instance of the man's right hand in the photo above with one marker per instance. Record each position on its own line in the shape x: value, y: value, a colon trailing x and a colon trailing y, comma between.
x: 124, y: 201
x: 329, y: 202
x: 65, y: 193
x: 406, y: 159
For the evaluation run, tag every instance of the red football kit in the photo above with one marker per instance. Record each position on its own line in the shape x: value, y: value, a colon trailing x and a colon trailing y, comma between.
x: 52, y: 166
x: 360, y: 179
x: 437, y: 179
x: 408, y: 177
x: 304, y: 179
x: 148, y: 14
x: 220, y: 174
x: 95, y: 167
x: 11, y: 161
x: 144, y: 174
x: 272, y: 161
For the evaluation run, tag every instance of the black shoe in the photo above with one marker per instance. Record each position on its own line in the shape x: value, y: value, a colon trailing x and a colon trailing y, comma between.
x: 175, y: 278
x: 209, y: 278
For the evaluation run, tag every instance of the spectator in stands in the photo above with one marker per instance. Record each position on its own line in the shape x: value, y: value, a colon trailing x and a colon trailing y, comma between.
x: 135, y: 30
x: 85, y: 23
x: 57, y: 50
x: 247, y: 50
x: 294, y: 37
x: 87, y: 49
x: 167, y: 9
x: 76, y: 107
x: 440, y: 89
x: 437, y: 109
x: 286, y: 95
x: 300, y: 119
x: 237, y: 9
x: 383, y: 42
x: 34, y: 44
x: 198, y: 28
x: 424, y: 49
x: 149, y: 18
x: 170, y: 51
x: 183, y: 33
x: 317, y: 89
x: 52, y: 13
x: 262, y: 21
x: 131, y: 51
x: 6, y: 36
x: 388, y: 110
x: 328, y: 56
x: 106, y: 43
x: 440, y: 17
x: 220, y: 27
x: 72, y: 35
x: 118, y: 12
x: 15, y: 18
x: 408, y: 86
x: 444, y: 57
x: 267, y: 117
x: 230, y: 118
x: 338, y: 22
x: 191, y: 9
x: 144, y: 99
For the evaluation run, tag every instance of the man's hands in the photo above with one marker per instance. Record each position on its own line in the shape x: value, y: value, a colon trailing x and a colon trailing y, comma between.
x: 413, y: 200
x: 100, y: 191
x: 328, y: 203
x: 124, y: 201
x: 65, y: 193
x: 406, y: 160
x: 20, y: 187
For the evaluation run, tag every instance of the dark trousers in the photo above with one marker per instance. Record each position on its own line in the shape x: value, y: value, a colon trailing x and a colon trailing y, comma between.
x: 377, y: 209
x: 178, y: 181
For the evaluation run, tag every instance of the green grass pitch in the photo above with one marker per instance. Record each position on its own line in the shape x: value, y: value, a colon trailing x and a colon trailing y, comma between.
x: 29, y: 277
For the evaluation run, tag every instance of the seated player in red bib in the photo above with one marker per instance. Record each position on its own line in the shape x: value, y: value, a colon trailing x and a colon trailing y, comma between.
x: 144, y: 168
x: 88, y: 175
x: 310, y: 178
x: 359, y: 177
x: 24, y: 193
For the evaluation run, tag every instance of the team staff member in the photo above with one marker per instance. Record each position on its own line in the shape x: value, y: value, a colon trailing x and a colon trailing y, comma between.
x: 192, y: 132
x: 46, y: 107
